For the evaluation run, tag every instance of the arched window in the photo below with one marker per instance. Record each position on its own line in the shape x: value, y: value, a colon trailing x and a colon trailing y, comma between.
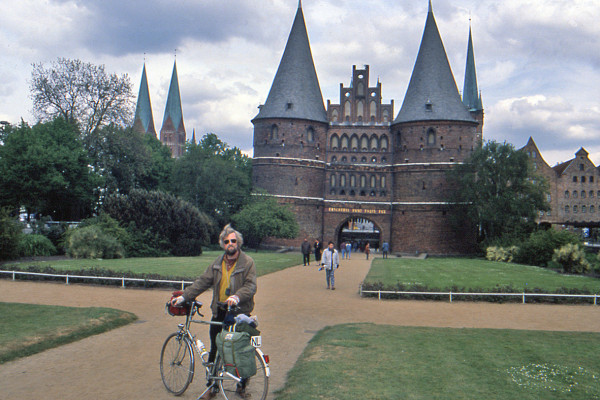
x: 344, y: 142
x: 332, y: 181
x: 344, y: 159
x: 591, y: 193
x: 352, y: 181
x: 343, y: 180
x: 310, y: 134
x: 274, y: 132
x: 431, y: 136
x: 575, y: 194
x: 583, y: 194
x: 354, y: 143
x: 335, y: 142
x: 373, y: 181
x: 591, y: 209
x: 373, y: 159
x: 353, y: 159
x: 363, y: 181
x: 384, y: 143
x: 360, y: 110
x: 334, y: 115
x: 566, y: 194
x: 360, y: 89
x: 583, y: 209
x: 364, y: 143
x: 347, y: 111
x: 333, y: 159
x: 363, y: 160
x: 386, y: 116
x: 374, y: 143
x: 566, y: 209
x: 373, y: 110
x: 383, y: 181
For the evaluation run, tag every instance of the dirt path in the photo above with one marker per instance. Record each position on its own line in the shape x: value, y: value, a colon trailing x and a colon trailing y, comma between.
x: 292, y: 306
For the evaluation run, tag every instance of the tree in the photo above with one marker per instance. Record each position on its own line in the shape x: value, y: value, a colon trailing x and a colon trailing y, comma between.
x: 45, y: 169
x: 213, y: 177
x: 264, y: 218
x: 497, y: 190
x: 160, y: 222
x: 81, y: 92
x: 128, y: 160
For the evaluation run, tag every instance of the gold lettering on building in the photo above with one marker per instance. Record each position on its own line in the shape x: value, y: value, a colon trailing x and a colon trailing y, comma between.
x: 355, y: 210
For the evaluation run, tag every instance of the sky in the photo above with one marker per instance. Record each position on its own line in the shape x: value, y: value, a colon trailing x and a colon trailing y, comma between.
x: 537, y: 61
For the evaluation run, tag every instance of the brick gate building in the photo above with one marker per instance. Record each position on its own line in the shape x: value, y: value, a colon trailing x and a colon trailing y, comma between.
x: 356, y: 160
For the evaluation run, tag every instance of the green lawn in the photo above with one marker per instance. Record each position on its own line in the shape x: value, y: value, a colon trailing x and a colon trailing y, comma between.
x: 445, y: 273
x: 190, y: 267
x: 27, y: 329
x: 369, y: 361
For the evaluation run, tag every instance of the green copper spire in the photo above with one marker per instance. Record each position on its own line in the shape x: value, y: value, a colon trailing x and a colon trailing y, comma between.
x: 471, y: 96
x: 173, y: 107
x: 144, y: 120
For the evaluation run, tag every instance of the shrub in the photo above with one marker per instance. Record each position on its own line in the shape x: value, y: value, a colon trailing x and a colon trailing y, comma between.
x: 504, y: 254
x: 572, y: 259
x: 91, y: 242
x: 36, y: 245
x: 539, y: 248
x: 10, y: 234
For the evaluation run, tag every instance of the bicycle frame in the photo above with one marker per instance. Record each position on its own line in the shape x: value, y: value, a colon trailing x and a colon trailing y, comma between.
x: 214, y: 372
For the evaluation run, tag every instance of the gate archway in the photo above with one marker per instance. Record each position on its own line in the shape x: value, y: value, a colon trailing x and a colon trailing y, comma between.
x: 359, y: 231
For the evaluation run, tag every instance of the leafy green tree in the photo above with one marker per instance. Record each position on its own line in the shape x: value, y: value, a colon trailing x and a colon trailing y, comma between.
x: 128, y: 160
x: 10, y: 235
x: 161, y: 222
x: 213, y: 177
x: 264, y: 218
x: 496, y: 189
x: 539, y: 247
x: 81, y: 93
x: 45, y: 169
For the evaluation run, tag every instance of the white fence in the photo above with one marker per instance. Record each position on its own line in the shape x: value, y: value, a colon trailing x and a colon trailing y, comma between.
x: 450, y: 295
x: 68, y: 277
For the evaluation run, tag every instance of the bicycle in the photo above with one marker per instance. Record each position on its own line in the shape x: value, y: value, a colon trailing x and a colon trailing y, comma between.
x: 177, y: 359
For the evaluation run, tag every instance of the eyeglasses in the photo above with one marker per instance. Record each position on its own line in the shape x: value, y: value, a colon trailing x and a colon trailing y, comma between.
x: 226, y: 241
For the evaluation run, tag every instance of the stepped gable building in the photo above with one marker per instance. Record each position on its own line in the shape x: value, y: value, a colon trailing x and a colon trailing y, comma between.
x: 355, y: 165
x: 574, y: 190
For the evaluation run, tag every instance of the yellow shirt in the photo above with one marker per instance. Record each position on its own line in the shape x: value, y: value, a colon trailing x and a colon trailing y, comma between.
x: 225, y: 280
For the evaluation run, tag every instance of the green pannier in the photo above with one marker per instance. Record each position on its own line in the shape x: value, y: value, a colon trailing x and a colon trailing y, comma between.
x: 237, y: 353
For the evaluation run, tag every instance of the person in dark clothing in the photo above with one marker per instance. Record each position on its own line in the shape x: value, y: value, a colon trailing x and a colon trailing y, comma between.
x: 305, y: 252
x: 318, y: 246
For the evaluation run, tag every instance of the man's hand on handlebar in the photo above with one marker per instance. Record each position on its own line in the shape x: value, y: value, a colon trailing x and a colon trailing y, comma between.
x: 232, y: 301
x: 177, y: 301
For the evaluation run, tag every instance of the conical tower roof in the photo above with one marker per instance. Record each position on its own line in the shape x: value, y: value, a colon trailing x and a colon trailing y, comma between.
x: 143, y: 109
x: 471, y: 96
x: 432, y: 93
x: 173, y: 108
x: 295, y: 92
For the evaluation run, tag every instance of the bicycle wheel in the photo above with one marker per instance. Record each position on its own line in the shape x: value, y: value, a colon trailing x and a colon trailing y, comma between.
x: 177, y: 363
x: 255, y: 388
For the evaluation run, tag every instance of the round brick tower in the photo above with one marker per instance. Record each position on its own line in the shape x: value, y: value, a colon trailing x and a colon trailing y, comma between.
x: 290, y: 134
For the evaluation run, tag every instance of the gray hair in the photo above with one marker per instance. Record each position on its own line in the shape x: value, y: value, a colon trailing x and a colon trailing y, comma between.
x: 228, y: 230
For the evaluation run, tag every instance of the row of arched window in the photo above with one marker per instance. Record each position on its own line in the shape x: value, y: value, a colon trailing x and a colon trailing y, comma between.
x: 310, y: 133
x: 575, y: 194
x: 356, y: 143
x: 354, y: 159
x: 362, y: 181
x: 582, y: 179
x: 576, y: 209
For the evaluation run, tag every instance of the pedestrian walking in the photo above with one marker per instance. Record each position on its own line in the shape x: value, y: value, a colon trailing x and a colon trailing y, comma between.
x: 305, y: 247
x: 367, y: 250
x: 318, y: 247
x: 331, y: 262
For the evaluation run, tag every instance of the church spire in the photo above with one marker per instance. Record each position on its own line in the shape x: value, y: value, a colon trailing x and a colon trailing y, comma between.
x: 471, y: 96
x: 432, y: 93
x: 295, y: 92
x: 144, y: 120
x: 172, y: 132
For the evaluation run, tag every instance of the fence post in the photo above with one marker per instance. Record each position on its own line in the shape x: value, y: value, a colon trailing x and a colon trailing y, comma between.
x: 523, y: 297
x: 122, y: 281
x: 450, y: 297
x: 379, y: 294
x: 182, y: 284
x: 13, y: 274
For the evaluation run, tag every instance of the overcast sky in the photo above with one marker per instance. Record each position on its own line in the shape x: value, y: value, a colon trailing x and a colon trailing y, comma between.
x: 538, y: 61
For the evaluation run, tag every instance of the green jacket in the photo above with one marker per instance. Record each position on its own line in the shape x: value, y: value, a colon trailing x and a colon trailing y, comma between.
x: 243, y: 283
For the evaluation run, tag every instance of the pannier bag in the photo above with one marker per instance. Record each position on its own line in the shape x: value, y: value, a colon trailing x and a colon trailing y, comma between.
x: 237, y: 353
x: 175, y: 311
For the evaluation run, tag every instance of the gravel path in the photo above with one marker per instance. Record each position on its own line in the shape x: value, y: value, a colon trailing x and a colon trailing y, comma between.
x: 292, y: 305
